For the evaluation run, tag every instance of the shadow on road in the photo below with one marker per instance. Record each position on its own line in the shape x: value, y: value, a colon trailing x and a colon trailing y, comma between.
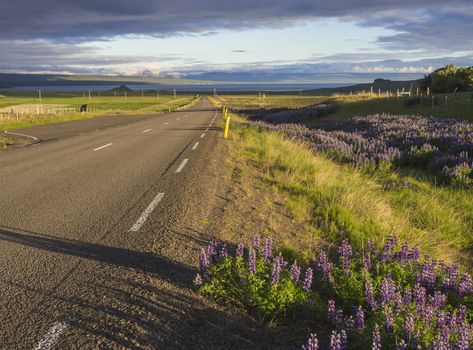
x: 122, y: 257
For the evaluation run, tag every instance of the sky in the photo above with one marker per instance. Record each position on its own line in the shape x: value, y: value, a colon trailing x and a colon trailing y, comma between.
x: 182, y: 38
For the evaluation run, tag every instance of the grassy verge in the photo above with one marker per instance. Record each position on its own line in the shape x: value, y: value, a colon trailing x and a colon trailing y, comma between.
x: 332, y: 201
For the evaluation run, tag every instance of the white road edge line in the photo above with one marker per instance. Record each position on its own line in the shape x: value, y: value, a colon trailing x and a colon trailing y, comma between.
x: 102, y: 147
x: 147, y: 130
x: 195, y: 146
x: 136, y: 227
x: 183, y: 164
x: 52, y: 336
x: 15, y: 133
x: 202, y: 136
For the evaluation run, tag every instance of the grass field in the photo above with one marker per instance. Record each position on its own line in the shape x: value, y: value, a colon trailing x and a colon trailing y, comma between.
x: 458, y: 106
x: 25, y: 107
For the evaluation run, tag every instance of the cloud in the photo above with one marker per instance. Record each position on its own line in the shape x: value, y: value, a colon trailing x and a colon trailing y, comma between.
x: 415, y: 21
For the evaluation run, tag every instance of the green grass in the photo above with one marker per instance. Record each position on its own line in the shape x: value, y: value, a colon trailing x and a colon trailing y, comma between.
x: 330, y: 198
x: 98, y: 105
x: 271, y: 101
x: 458, y: 106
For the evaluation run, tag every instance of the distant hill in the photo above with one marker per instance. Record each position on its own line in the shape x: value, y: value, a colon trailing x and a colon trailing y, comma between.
x: 8, y: 80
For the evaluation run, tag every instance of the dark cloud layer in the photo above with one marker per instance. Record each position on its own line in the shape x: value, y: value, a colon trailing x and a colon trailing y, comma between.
x: 52, y: 35
x: 423, y: 23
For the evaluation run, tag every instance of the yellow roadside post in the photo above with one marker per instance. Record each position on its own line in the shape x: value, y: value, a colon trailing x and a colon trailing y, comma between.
x: 227, y: 126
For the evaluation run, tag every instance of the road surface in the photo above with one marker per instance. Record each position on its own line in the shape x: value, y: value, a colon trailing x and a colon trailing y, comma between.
x: 91, y: 251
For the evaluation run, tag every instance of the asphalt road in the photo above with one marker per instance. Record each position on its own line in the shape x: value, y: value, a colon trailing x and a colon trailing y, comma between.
x: 92, y: 254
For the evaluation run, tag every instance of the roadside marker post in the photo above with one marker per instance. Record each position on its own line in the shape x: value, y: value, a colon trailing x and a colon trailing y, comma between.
x: 227, y: 126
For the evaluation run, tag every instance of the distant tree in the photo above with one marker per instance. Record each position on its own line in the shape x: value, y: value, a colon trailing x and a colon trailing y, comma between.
x: 449, y: 79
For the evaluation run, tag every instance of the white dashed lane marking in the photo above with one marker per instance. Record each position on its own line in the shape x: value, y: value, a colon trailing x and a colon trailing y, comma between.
x: 52, y: 336
x: 136, y: 227
x: 147, y: 130
x: 195, y: 146
x: 183, y: 164
x: 202, y: 136
x: 102, y: 147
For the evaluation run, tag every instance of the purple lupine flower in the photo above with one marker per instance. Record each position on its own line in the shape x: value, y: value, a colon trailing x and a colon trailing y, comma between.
x: 464, y: 337
x: 343, y: 340
x: 397, y: 298
x: 414, y: 253
x: 295, y: 272
x: 198, y: 280
x: 387, y: 290
x: 407, y: 297
x: 462, y: 313
x: 223, y: 253
x: 437, y: 300
x: 203, y: 263
x: 403, y: 254
x: 391, y: 242
x: 252, y: 261
x: 349, y: 321
x: 240, y: 249
x: 312, y: 343
x: 309, y: 274
x: 441, y: 320
x: 325, y: 266
x: 335, y: 341
x: 212, y: 251
x: 388, y: 314
x: 428, y: 274
x: 346, y: 253
x: 369, y: 296
x: 275, y: 272
x: 401, y: 345
x: 409, y: 325
x: 451, y: 276
x: 440, y: 343
x: 360, y: 319
x: 376, y: 344
x: 427, y: 312
x: 419, y: 294
x: 256, y: 242
x: 283, y: 263
x: 466, y: 285
x: 370, y: 245
x: 267, y: 250
x: 331, y: 311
